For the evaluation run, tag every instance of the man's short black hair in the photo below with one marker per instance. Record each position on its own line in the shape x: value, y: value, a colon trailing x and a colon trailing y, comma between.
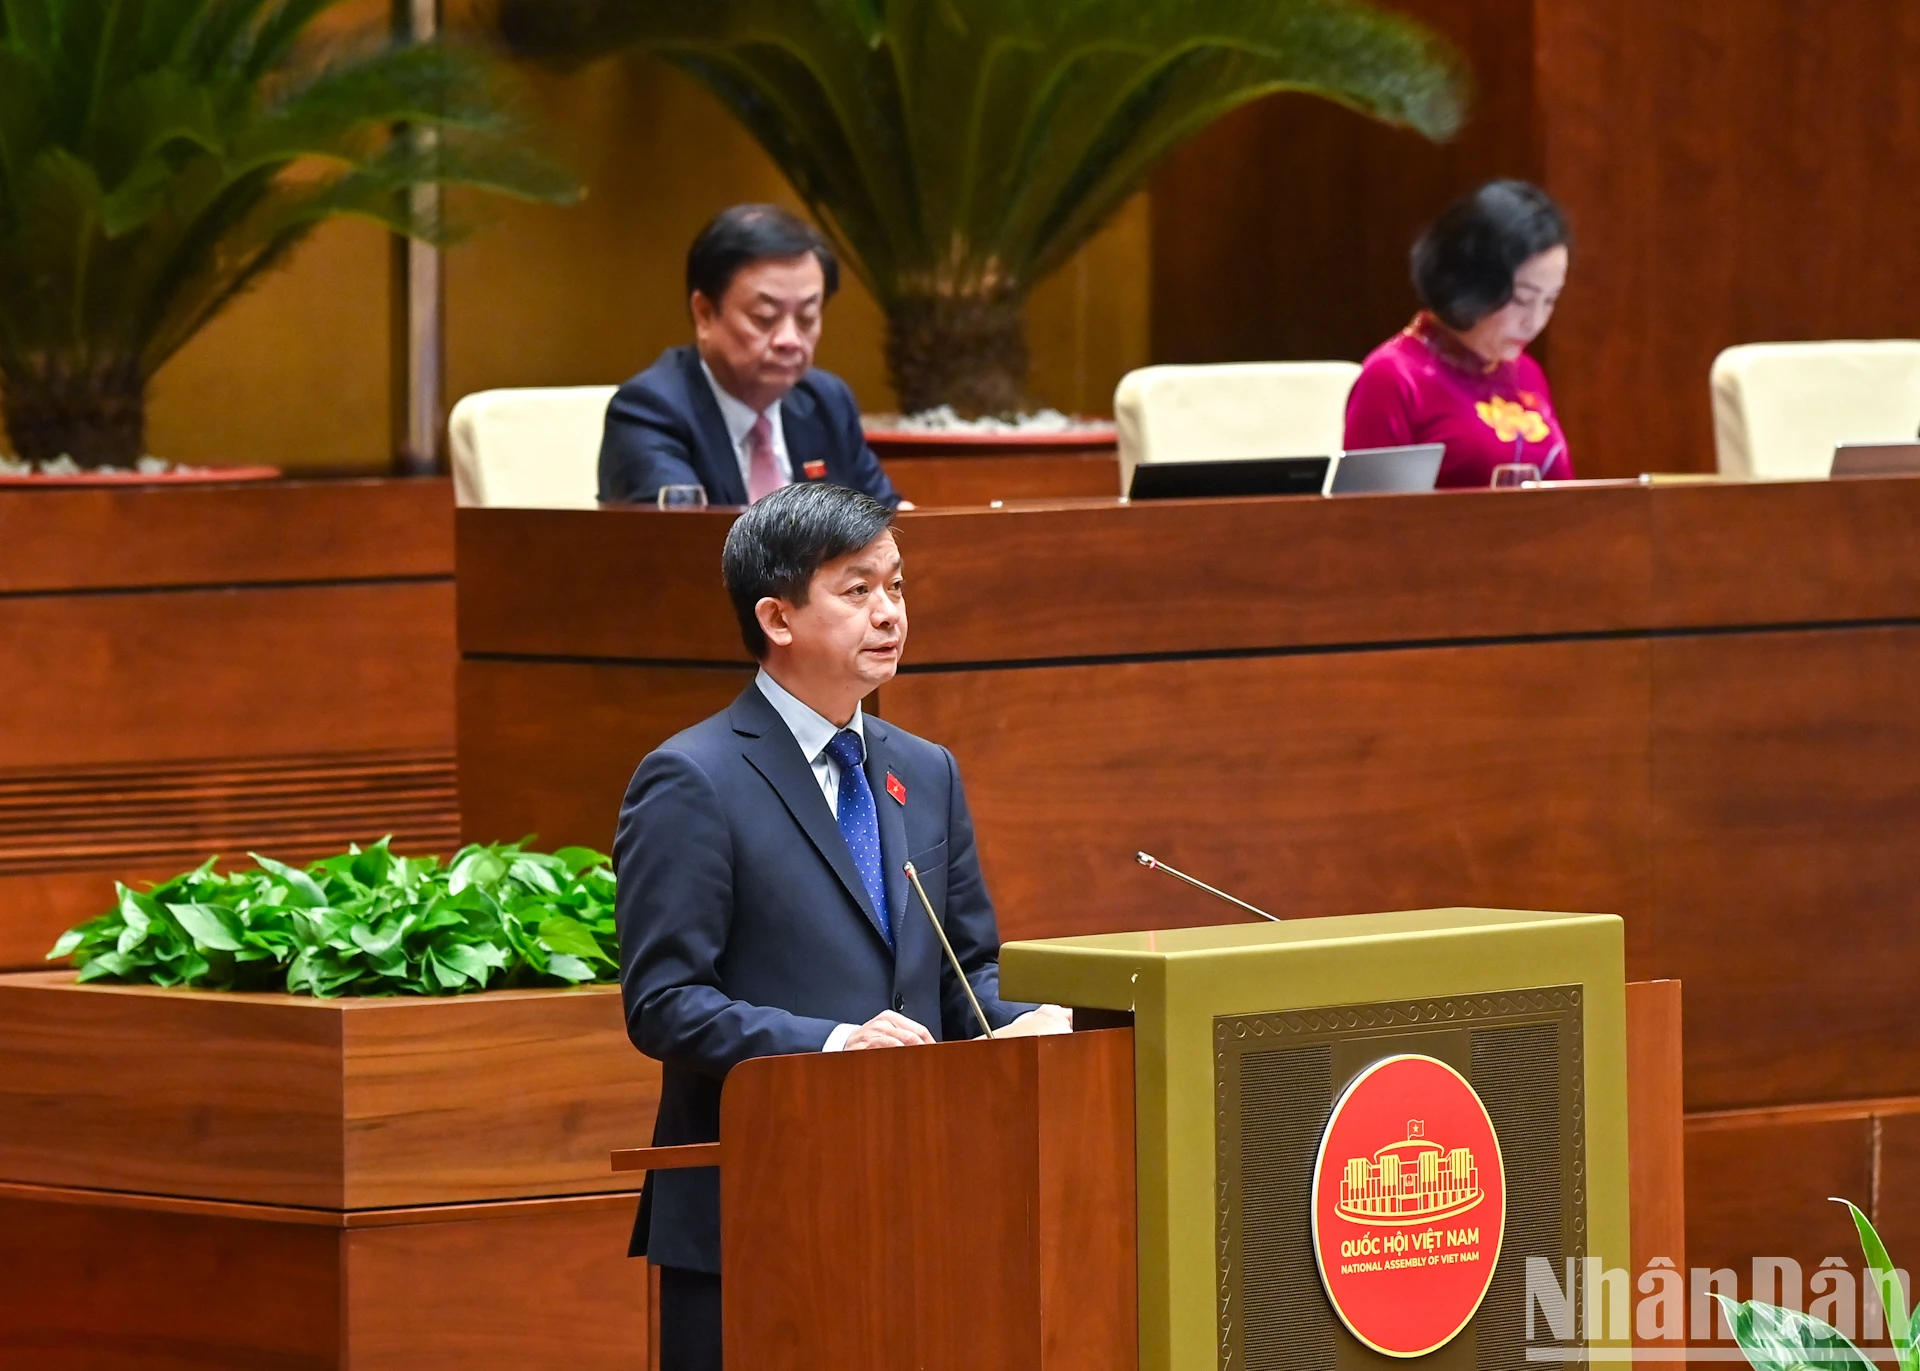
x: 775, y: 548
x: 1463, y: 264
x: 739, y: 237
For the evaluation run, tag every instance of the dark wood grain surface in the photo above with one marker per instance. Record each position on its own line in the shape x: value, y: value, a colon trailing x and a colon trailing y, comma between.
x: 535, y: 1286
x: 1786, y: 788
x: 1656, y: 1132
x: 200, y: 670
x: 268, y: 533
x: 338, y: 1104
x: 1508, y: 777
x: 874, y: 1203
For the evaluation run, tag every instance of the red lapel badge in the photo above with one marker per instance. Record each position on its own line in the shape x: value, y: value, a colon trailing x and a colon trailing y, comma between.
x: 896, y: 789
x: 816, y: 471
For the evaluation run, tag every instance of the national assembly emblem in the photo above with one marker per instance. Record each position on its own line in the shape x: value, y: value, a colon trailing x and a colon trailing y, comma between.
x: 1409, y: 1205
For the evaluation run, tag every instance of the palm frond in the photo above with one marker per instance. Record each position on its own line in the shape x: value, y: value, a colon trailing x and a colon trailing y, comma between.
x: 971, y: 146
x: 157, y: 156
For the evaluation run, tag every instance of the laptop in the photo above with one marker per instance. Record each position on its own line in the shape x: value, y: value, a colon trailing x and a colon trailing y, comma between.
x: 1369, y: 469
x: 1246, y: 476
x: 1876, y: 459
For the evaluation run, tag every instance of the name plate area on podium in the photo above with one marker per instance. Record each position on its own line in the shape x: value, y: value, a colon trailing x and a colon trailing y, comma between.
x: 1354, y: 1133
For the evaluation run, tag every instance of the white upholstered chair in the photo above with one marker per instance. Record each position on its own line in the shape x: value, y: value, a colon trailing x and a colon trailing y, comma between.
x: 1779, y: 409
x: 537, y: 448
x: 1231, y: 411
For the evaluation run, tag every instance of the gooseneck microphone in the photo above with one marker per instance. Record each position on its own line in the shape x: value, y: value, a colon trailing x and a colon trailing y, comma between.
x: 1155, y: 864
x: 941, y: 933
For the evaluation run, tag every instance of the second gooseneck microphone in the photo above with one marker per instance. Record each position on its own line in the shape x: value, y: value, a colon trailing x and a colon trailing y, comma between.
x: 1152, y: 863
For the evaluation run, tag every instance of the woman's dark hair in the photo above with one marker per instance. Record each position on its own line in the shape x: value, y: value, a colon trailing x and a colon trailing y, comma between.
x: 1463, y: 264
x: 779, y: 543
x: 739, y: 237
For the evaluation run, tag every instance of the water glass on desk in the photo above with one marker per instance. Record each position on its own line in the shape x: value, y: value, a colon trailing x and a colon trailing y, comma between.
x: 1515, y: 475
x: 681, y: 497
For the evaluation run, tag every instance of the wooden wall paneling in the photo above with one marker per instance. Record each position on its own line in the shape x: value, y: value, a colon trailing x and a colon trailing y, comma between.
x: 1283, y: 230
x: 518, y: 1288
x: 548, y: 747
x: 1760, y: 1187
x: 1786, y: 791
x: 1896, y: 1182
x: 103, y: 1289
x: 271, y: 532
x: 1314, y: 784
x: 193, y: 675
x: 1786, y: 552
x: 1655, y: 1123
x: 1733, y: 173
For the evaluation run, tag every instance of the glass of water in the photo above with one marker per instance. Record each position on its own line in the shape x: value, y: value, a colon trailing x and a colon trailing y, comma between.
x: 682, y: 497
x: 1514, y: 475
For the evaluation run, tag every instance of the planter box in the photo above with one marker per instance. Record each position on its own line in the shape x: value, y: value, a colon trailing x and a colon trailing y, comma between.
x: 190, y: 1179
x: 333, y: 1104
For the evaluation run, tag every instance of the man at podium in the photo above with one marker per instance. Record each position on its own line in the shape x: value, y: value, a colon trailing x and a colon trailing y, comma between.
x: 763, y: 905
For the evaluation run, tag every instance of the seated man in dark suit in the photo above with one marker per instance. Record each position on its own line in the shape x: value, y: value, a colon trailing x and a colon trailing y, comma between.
x: 741, y: 412
x: 763, y: 905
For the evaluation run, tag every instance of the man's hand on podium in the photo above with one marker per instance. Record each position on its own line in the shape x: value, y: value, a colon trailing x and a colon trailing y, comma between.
x: 1038, y: 1023
x: 886, y: 1029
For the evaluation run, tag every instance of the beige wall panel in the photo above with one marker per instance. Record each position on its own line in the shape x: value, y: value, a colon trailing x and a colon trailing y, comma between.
x: 296, y: 373
x: 593, y: 293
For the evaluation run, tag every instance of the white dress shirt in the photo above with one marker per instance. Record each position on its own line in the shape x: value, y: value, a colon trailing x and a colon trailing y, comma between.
x: 739, y: 419
x: 813, y: 731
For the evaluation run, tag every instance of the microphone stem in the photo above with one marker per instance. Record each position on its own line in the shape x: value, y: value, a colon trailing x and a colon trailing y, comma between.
x: 958, y: 970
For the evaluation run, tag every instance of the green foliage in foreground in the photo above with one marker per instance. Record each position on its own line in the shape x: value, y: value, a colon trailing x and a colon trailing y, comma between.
x: 364, y: 923
x: 1776, y: 1339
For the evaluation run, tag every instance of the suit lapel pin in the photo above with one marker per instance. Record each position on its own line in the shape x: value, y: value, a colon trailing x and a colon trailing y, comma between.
x: 816, y: 470
x: 896, y: 789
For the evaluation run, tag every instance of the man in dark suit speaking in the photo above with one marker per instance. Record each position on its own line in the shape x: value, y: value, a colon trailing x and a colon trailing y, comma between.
x: 741, y: 412
x: 763, y: 905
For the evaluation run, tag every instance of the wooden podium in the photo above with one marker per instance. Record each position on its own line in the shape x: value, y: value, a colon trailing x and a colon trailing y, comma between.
x: 979, y: 1204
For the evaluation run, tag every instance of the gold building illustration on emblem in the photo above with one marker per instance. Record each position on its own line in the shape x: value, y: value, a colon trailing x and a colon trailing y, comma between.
x: 1413, y: 1181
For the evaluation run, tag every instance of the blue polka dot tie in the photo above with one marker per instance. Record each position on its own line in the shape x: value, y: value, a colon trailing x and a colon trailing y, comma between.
x: 858, y: 823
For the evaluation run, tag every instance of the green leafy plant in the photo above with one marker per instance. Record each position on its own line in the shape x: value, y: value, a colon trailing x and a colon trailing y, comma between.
x: 366, y: 922
x: 959, y: 150
x: 1776, y: 1339
x: 158, y: 156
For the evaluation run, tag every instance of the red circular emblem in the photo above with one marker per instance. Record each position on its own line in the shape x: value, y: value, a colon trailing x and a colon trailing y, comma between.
x: 1409, y: 1205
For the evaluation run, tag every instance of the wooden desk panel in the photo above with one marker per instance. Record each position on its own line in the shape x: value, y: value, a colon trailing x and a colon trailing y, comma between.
x: 572, y: 735
x: 1786, y: 803
x: 1797, y: 552
x: 1318, y: 784
x: 1091, y: 580
x: 265, y: 533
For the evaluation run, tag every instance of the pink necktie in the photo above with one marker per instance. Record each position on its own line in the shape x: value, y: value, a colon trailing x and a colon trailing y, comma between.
x: 763, y: 472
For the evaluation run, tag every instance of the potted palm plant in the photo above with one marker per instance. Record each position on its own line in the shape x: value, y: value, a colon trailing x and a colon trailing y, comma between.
x: 157, y: 159
x: 957, y: 151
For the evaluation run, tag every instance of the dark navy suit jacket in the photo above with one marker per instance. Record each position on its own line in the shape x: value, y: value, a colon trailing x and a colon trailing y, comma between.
x: 664, y: 429
x: 746, y: 931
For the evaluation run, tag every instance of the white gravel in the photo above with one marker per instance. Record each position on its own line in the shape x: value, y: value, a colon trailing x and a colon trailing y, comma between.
x: 945, y: 420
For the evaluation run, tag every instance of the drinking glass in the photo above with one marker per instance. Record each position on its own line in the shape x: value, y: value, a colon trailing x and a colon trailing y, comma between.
x: 682, y: 497
x: 1514, y: 475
